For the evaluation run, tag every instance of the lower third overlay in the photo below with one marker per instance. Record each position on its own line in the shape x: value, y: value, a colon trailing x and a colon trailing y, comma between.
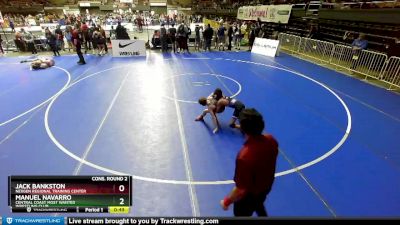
x: 126, y: 220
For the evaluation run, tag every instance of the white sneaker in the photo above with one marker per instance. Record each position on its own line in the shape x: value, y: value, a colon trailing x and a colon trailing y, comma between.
x: 215, y: 130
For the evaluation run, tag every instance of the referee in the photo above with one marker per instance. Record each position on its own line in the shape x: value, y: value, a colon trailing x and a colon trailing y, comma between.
x: 255, y: 167
x: 77, y: 40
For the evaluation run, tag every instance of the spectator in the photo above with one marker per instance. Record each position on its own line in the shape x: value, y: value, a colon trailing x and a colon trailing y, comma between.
x: 230, y: 36
x: 103, y: 33
x: 182, y: 37
x: 252, y: 37
x: 52, y: 41
x: 197, y: 44
x: 358, y: 45
x: 140, y: 23
x: 68, y: 36
x: 313, y: 32
x: 172, y: 33
x: 188, y: 33
x: 164, y: 38
x: 113, y: 35
x: 60, y: 37
x: 394, y: 48
x: 238, y: 36
x: 208, y: 35
x: 29, y: 38
x: 19, y: 42
x: 348, y: 37
x: 243, y: 29
x: 156, y: 41
x: 95, y: 40
x: 85, y: 35
x: 121, y: 33
x: 12, y: 26
x: 101, y: 42
x: 1, y: 45
x: 90, y: 35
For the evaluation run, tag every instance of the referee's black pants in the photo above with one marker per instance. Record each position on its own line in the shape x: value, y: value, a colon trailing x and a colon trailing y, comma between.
x: 79, y: 52
x: 249, y: 204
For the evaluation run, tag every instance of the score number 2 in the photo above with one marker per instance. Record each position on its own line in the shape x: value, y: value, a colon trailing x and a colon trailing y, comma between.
x: 121, y: 188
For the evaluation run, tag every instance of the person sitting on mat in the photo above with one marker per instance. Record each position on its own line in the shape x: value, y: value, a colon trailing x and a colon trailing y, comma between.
x: 237, y: 105
x: 40, y: 63
x: 211, y: 103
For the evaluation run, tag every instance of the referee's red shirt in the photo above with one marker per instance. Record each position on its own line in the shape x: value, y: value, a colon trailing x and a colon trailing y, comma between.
x: 75, y: 34
x: 255, y: 164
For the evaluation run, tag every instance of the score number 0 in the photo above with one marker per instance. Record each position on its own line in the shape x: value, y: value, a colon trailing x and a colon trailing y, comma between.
x: 121, y: 188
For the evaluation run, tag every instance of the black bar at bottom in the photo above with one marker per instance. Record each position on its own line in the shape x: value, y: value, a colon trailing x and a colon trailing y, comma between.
x: 219, y: 221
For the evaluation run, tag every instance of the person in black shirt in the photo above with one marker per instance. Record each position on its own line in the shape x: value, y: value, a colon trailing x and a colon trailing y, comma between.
x: 1, y: 46
x: 164, y: 39
x: 197, y: 42
x: 52, y: 41
x: 221, y: 37
x: 208, y: 35
x: 120, y: 32
x: 252, y: 37
x: 60, y: 38
x: 172, y: 36
x: 77, y: 40
x: 230, y: 36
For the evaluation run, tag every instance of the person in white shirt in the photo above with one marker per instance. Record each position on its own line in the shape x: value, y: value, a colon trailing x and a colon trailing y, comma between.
x: 211, y: 103
x: 29, y: 39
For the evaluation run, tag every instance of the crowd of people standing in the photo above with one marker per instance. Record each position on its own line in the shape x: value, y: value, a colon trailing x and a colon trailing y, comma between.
x: 228, y: 35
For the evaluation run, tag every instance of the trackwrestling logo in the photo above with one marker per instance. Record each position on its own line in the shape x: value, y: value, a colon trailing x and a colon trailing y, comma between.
x: 35, y: 220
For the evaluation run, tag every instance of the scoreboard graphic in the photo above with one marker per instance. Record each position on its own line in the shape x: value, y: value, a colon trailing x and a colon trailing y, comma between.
x: 70, y: 194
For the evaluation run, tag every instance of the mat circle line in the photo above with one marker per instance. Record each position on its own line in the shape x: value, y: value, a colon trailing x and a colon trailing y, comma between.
x: 183, y: 182
x: 203, y: 74
x: 44, y: 102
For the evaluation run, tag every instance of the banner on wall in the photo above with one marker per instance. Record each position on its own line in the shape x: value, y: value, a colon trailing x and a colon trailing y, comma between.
x: 266, y: 13
x: 214, y: 24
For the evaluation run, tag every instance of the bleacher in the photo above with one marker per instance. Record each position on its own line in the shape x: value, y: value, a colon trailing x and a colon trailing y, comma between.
x: 24, y: 3
x: 379, y: 35
x: 340, y: 22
